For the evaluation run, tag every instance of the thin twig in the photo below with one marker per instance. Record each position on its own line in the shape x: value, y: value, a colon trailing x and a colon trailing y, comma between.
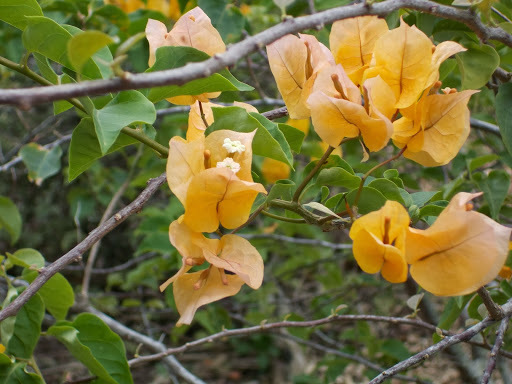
x: 485, y: 126
x: 495, y: 311
x: 118, y: 268
x: 30, y: 96
x: 312, y: 173
x: 276, y: 113
x: 76, y: 253
x: 296, y: 240
x: 495, y: 350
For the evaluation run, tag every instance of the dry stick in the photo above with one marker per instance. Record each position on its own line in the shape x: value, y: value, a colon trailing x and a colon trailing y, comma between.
x: 203, y: 117
x: 76, y: 253
x: 495, y: 350
x: 276, y: 113
x: 110, y: 208
x: 154, y: 345
x: 443, y: 344
x: 495, y: 311
x: 282, y: 324
x: 27, y: 97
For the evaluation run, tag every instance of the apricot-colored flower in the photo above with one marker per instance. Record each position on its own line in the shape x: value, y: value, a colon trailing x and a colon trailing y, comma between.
x: 379, y: 240
x: 194, y: 29
x: 435, y: 128
x: 337, y: 111
x: 352, y: 42
x: 229, y: 253
x: 294, y: 62
x: 462, y: 251
x: 203, y: 179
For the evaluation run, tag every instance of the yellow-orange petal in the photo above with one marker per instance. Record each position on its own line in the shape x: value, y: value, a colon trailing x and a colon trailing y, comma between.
x: 155, y: 33
x: 273, y: 170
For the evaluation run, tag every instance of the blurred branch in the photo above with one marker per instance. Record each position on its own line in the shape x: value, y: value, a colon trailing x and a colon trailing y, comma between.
x: 118, y: 268
x: 443, y: 344
x: 76, y: 253
x: 296, y: 240
x: 27, y: 97
x: 283, y: 324
x: 495, y: 350
x: 154, y: 345
x: 485, y: 126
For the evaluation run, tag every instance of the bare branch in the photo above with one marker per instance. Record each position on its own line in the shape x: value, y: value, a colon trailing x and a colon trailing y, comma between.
x: 297, y: 240
x: 495, y: 350
x: 485, y: 126
x: 76, y: 253
x: 118, y: 268
x: 495, y: 311
x: 179, y: 76
x: 278, y: 325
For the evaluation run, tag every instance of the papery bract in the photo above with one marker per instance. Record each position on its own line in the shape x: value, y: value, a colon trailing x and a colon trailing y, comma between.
x: 273, y: 170
x: 439, y: 128
x: 352, y: 42
x: 403, y: 58
x: 294, y: 62
x: 462, y: 251
x: 379, y: 240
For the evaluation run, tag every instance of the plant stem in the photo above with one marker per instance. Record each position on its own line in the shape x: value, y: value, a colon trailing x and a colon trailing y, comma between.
x: 318, y: 165
x: 33, y: 364
x: 26, y: 71
x: 495, y: 311
x: 203, y: 117
x: 363, y: 179
x: 250, y: 219
x: 282, y: 218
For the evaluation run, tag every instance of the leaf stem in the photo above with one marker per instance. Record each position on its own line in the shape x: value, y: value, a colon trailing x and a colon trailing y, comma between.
x: 137, y: 135
x: 365, y: 176
x: 282, y: 218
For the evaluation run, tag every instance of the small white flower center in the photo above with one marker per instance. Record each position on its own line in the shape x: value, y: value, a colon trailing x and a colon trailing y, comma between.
x: 228, y: 162
x: 233, y: 146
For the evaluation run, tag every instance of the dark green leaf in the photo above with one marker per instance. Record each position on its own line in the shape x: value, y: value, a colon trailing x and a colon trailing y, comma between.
x: 370, y: 200
x: 126, y: 108
x: 434, y: 209
x: 14, y: 11
x: 495, y: 187
x: 293, y: 136
x: 92, y: 342
x: 176, y: 57
x: 40, y: 162
x: 479, y: 161
x: 477, y: 65
x: 20, y: 333
x: 421, y: 198
x: 226, y: 18
x: 16, y: 373
x: 388, y: 189
x: 333, y: 202
x: 282, y: 189
x: 10, y: 218
x: 338, y: 177
x: 504, y: 114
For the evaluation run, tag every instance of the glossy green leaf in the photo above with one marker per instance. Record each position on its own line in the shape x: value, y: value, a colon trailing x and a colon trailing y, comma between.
x: 10, y: 218
x: 20, y: 333
x: 293, y: 136
x: 92, y: 342
x: 268, y: 143
x: 14, y: 12
x: 85, y: 149
x: 26, y: 258
x: 388, y: 189
x: 57, y: 294
x: 282, y: 189
x: 126, y: 108
x: 479, y: 161
x: 504, y: 114
x: 175, y: 57
x: 338, y: 177
x: 495, y: 187
x: 16, y: 373
x: 477, y: 65
x: 40, y: 162
x: 83, y: 45
x: 370, y: 200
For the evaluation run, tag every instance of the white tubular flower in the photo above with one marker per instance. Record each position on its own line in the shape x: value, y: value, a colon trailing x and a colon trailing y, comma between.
x: 228, y: 162
x: 233, y: 146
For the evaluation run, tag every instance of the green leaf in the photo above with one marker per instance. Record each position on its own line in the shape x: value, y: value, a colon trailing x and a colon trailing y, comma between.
x: 338, y: 177
x: 333, y: 202
x: 40, y: 162
x: 388, y: 189
x: 126, y: 108
x: 320, y: 207
x: 370, y: 200
x: 83, y: 45
x: 293, y: 136
x: 26, y: 258
x: 282, y: 189
x: 14, y: 11
x: 477, y: 65
x: 45, y: 68
x: 495, y: 188
x: 332, y: 161
x: 451, y: 312
x: 92, y: 342
x: 57, y: 294
x: 10, y: 218
x: 176, y: 57
x: 479, y: 161
x: 504, y: 114
x: 421, y: 198
x: 268, y: 143
x: 85, y: 149
x: 20, y: 333
x: 226, y: 18
x: 433, y: 209
x: 16, y: 373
